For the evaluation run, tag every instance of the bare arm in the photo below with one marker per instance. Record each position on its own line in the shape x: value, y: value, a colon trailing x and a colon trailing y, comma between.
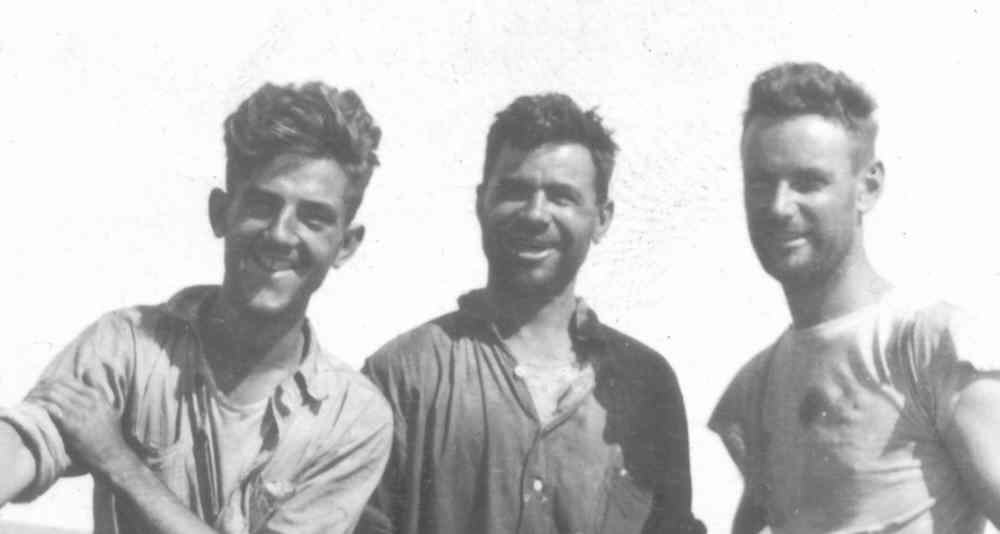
x: 156, y: 505
x: 92, y: 433
x: 20, y: 470
x: 972, y: 438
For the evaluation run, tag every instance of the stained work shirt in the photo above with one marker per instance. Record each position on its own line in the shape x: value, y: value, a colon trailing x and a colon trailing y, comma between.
x: 326, y: 430
x: 841, y: 427
x: 470, y: 454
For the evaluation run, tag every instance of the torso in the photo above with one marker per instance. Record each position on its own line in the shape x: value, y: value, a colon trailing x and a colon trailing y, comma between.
x: 490, y: 464
x: 850, y: 441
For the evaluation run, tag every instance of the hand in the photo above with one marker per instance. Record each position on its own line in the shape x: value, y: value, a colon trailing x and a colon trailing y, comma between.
x: 90, y: 427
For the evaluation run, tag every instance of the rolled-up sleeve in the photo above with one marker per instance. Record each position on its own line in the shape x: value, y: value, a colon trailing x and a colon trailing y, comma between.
x: 99, y: 357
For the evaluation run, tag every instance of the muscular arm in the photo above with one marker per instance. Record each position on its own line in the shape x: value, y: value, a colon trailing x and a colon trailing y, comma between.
x: 92, y: 432
x: 972, y: 437
x: 156, y: 505
x: 21, y: 466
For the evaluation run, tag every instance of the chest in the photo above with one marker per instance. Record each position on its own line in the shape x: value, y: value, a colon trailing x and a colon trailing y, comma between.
x: 218, y: 464
x: 833, y: 400
x: 486, y: 456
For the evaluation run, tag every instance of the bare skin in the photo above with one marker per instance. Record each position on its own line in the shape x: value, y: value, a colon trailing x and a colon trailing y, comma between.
x: 92, y: 430
x: 252, y: 333
x: 539, y: 213
x: 805, y: 196
x: 537, y: 331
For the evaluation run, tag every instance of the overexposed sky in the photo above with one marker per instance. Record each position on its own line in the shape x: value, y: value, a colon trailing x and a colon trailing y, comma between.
x: 110, y: 140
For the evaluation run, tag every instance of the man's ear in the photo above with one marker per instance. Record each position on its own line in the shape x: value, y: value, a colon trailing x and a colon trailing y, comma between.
x: 218, y: 204
x: 353, y: 237
x: 870, y: 185
x: 605, y: 214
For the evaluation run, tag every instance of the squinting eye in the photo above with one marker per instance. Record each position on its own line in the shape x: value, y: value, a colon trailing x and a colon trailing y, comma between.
x: 808, y: 183
x: 561, y: 200
x: 317, y: 218
x: 258, y: 208
x: 317, y: 223
x: 511, y: 192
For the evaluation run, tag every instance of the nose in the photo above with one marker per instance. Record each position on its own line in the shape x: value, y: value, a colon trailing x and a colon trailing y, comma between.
x: 284, y: 227
x: 536, y: 209
x: 782, y: 202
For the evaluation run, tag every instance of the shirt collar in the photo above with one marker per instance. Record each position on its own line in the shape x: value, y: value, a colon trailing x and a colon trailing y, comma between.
x: 584, y: 325
x: 186, y: 305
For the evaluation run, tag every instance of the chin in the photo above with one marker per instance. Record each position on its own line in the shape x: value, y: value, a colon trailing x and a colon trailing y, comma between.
x: 532, y: 284
x: 794, y: 276
x: 269, y: 305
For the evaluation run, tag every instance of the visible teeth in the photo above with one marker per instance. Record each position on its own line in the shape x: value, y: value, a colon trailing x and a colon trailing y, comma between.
x: 274, y: 264
x: 529, y: 245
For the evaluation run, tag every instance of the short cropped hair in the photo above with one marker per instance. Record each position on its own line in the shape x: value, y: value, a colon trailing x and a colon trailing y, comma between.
x: 534, y: 120
x: 792, y: 89
x: 314, y: 120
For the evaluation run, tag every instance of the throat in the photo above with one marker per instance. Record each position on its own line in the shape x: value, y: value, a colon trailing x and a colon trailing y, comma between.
x: 555, y: 386
x: 849, y: 289
x: 247, y: 363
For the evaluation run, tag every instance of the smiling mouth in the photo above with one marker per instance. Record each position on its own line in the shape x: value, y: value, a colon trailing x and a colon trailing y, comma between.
x: 529, y: 249
x: 272, y: 263
x: 791, y: 241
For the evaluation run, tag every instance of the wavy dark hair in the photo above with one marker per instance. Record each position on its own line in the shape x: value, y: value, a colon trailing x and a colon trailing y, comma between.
x: 533, y: 120
x: 791, y: 89
x: 314, y: 120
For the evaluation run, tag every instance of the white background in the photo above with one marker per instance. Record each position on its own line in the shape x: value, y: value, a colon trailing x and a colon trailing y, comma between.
x: 110, y: 141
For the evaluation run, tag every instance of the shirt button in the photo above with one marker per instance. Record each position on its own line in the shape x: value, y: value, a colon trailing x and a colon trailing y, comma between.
x: 537, y: 485
x: 623, y: 472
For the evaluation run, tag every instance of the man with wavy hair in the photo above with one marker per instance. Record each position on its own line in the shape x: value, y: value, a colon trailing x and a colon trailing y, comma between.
x: 218, y: 410
x: 521, y: 412
x: 876, y: 409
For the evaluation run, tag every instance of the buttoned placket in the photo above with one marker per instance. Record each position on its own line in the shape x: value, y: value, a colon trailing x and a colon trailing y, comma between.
x: 537, y: 492
x: 286, y: 398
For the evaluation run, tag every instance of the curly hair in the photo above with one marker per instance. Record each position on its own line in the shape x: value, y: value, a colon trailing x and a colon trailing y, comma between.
x: 533, y: 120
x: 313, y: 120
x: 791, y: 89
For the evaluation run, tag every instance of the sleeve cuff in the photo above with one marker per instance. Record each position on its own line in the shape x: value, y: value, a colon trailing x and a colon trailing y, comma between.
x: 43, y: 439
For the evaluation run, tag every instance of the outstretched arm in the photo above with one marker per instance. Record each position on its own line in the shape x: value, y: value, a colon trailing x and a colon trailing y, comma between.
x: 21, y: 465
x: 92, y: 433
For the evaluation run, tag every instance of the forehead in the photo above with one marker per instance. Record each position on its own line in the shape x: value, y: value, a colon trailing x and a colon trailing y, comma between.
x: 796, y: 141
x: 297, y: 176
x: 566, y: 162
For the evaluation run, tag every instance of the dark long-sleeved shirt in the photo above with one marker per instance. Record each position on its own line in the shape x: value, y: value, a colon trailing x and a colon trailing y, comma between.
x: 470, y: 455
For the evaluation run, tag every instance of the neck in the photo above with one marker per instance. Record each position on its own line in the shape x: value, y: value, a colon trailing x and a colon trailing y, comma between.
x: 850, y: 287
x: 543, y: 316
x: 243, y: 343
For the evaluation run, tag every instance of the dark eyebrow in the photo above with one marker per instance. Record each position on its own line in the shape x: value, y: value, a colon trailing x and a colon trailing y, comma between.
x: 515, y: 179
x: 812, y: 172
x: 564, y: 189
x: 256, y: 192
x: 320, y: 208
